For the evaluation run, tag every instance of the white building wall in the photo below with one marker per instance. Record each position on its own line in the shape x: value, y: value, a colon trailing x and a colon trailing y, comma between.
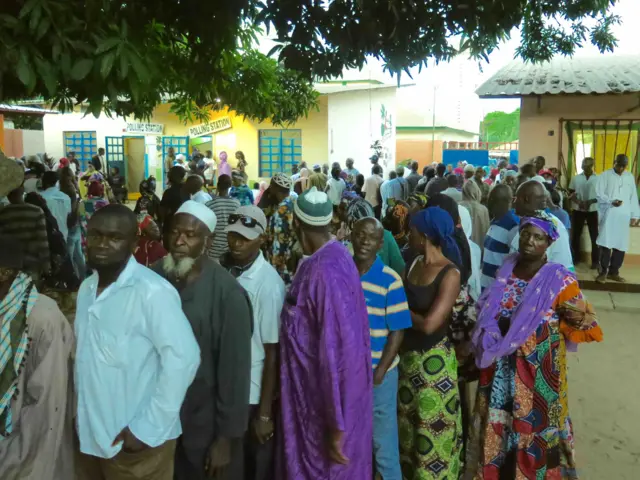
x: 356, y: 121
x: 55, y: 126
x: 33, y: 141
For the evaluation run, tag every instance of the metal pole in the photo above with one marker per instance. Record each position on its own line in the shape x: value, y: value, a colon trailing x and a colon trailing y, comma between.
x: 433, y: 127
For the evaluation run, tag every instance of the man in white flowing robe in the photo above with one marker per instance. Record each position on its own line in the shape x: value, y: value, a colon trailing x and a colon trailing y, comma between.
x: 618, y: 209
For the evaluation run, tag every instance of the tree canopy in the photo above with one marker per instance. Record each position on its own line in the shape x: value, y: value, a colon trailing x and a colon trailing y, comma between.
x: 126, y: 56
x: 501, y: 127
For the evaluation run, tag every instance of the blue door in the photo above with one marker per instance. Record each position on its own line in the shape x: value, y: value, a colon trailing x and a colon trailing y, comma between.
x: 180, y: 146
x: 115, y: 154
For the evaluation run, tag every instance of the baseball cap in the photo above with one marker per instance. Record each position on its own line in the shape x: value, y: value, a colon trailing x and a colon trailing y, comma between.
x: 248, y: 221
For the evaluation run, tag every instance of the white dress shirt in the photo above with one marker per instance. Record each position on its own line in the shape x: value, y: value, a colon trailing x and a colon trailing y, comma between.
x: 136, y: 356
x: 60, y: 206
x: 266, y: 292
x: 585, y: 189
x: 201, y: 197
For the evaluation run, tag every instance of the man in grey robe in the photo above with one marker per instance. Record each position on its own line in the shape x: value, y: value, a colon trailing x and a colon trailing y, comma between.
x: 215, y: 412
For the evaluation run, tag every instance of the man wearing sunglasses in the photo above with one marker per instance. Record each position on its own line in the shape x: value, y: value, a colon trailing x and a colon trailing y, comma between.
x: 245, y: 261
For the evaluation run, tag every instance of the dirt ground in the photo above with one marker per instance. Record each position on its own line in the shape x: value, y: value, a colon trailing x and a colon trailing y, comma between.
x: 604, y: 400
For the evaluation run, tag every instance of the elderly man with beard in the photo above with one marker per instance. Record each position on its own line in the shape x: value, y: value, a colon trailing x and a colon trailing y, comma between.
x: 215, y: 412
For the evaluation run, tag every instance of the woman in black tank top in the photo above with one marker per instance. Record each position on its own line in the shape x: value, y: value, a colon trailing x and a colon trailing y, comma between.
x: 429, y: 413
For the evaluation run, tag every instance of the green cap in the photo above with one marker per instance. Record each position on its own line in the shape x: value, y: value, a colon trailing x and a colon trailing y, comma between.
x: 314, y: 208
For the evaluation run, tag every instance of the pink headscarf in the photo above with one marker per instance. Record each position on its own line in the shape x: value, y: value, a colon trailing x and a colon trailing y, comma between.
x: 225, y: 168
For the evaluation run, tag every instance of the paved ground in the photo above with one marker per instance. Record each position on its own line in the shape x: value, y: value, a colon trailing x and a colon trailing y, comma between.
x: 604, y: 392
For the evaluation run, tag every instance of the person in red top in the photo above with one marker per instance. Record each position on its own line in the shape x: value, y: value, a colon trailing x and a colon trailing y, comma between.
x: 149, y: 248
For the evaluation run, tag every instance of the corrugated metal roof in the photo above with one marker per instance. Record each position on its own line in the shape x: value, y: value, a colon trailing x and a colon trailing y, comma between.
x: 597, y: 75
x: 21, y: 109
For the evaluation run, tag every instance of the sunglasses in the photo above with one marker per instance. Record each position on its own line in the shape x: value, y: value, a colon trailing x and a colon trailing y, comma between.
x: 245, y: 221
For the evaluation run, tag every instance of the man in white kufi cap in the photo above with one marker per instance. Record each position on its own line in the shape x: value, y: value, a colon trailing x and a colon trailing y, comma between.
x: 215, y: 412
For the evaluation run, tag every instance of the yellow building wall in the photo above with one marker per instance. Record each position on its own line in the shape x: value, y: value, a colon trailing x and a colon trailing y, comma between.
x: 243, y: 134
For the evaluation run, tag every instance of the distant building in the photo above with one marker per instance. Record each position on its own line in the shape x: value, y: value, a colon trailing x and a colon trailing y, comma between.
x: 573, y: 108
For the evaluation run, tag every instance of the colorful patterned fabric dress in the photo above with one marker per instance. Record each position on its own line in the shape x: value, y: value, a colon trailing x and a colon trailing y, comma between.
x: 521, y: 427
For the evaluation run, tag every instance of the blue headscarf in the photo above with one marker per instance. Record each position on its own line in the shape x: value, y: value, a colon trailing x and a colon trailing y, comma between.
x: 437, y: 225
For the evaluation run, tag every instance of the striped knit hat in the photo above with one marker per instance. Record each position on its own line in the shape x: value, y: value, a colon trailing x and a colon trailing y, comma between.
x: 314, y: 208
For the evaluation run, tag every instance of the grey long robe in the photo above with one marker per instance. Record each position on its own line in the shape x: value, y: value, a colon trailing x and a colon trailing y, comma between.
x: 41, y: 446
x: 217, y: 403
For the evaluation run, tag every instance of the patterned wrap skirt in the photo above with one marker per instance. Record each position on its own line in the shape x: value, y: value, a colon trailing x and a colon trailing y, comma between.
x: 429, y: 417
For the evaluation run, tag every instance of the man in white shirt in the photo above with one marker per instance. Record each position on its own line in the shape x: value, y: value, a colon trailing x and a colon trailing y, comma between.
x: 371, y: 189
x: 193, y: 186
x: 585, y: 209
x: 58, y: 202
x: 245, y: 235
x: 452, y: 191
x: 618, y: 209
x: 136, y: 356
x: 210, y: 168
x: 531, y: 197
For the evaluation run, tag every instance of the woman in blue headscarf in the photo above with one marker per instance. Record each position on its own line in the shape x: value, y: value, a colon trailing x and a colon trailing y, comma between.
x: 429, y: 414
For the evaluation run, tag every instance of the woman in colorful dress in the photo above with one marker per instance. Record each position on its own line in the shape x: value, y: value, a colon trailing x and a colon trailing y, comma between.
x: 429, y: 417
x: 527, y: 320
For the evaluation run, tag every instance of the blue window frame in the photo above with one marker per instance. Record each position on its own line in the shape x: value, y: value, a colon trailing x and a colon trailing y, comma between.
x: 279, y: 150
x: 84, y: 144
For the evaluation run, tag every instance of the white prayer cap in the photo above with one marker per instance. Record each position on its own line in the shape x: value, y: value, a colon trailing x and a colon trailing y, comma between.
x: 469, y: 168
x: 201, y: 212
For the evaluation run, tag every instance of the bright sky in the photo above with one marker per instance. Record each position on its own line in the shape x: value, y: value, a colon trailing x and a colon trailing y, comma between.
x: 466, y: 75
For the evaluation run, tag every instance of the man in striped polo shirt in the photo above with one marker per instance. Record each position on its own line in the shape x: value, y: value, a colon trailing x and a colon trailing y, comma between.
x: 388, y: 316
x: 223, y: 206
x: 503, y: 229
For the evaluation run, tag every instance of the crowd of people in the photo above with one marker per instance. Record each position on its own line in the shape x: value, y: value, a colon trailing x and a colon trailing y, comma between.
x: 325, y: 324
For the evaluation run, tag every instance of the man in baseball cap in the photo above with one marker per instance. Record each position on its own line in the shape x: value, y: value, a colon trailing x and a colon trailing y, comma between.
x: 245, y: 234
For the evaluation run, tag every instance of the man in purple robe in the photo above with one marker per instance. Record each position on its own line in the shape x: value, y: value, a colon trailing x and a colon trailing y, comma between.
x: 325, y: 374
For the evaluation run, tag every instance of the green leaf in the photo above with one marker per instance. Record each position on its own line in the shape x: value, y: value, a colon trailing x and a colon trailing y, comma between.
x: 107, y: 64
x: 124, y: 66
x: 43, y: 28
x: 55, y: 50
x: 25, y: 71
x: 81, y: 69
x: 26, y: 9
x: 107, y: 44
x: 48, y: 74
x: 34, y: 20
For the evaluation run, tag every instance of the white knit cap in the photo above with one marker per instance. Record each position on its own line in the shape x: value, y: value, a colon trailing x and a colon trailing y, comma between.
x: 469, y: 168
x: 201, y: 212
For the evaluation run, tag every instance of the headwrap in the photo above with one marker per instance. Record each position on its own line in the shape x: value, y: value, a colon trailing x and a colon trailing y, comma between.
x: 471, y: 192
x: 282, y: 180
x: 358, y: 209
x: 15, y: 309
x: 348, y: 196
x: 458, y: 171
x: 419, y: 198
x: 95, y: 189
x: 436, y: 224
x: 64, y: 162
x: 201, y: 212
x: 314, y: 208
x: 451, y: 207
x: 399, y: 211
x: 544, y: 222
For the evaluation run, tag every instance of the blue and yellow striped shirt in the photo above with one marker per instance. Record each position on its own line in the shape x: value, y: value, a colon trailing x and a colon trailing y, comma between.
x: 386, y: 305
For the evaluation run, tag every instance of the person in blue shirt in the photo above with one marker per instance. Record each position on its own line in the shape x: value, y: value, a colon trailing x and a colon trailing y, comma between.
x: 240, y: 190
x: 389, y: 316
